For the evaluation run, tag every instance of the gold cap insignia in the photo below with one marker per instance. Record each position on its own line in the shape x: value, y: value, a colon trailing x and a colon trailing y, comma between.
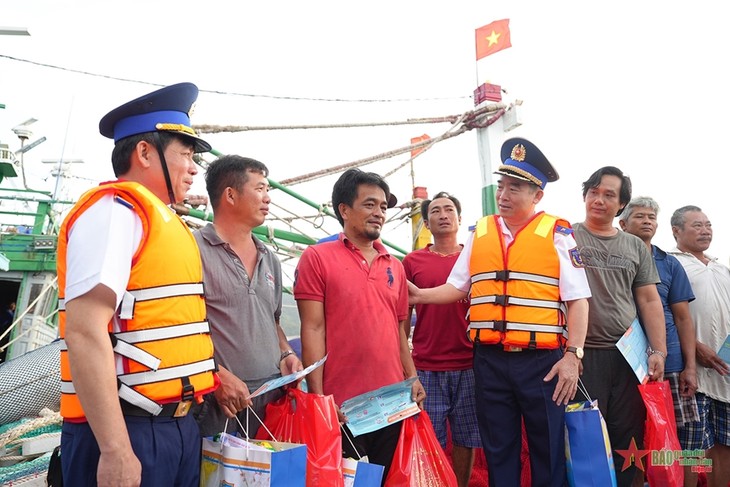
x: 518, y: 153
x: 175, y: 127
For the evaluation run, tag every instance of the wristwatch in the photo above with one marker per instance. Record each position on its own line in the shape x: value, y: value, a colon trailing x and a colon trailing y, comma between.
x: 578, y: 351
x: 285, y: 354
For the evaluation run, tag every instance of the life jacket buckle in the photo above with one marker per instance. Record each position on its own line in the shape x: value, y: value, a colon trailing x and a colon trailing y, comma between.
x: 502, y: 275
x: 500, y: 326
x: 188, y: 392
x: 501, y: 300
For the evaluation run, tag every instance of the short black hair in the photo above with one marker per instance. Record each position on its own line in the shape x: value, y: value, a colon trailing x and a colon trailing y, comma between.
x: 346, y: 187
x: 230, y: 171
x: 441, y: 194
x: 123, y: 149
x: 595, y: 180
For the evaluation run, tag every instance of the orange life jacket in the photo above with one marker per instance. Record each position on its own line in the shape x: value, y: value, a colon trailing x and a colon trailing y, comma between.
x: 515, y: 294
x: 162, y: 336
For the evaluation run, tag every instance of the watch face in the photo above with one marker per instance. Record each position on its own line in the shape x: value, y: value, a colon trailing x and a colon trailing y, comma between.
x: 576, y: 350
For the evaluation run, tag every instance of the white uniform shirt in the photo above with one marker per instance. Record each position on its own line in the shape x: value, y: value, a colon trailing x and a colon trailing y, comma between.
x: 101, y: 244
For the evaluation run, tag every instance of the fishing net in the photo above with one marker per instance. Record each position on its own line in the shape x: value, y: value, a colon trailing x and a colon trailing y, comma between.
x: 30, y: 383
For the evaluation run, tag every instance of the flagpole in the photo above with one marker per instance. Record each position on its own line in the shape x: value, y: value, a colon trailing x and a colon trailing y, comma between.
x: 489, y: 189
x: 489, y: 39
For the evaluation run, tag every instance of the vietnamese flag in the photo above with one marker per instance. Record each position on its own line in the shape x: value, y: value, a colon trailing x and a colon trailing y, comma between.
x: 492, y: 38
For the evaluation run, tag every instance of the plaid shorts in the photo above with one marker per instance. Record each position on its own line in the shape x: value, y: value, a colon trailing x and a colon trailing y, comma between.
x: 713, y: 426
x: 685, y: 408
x: 450, y: 395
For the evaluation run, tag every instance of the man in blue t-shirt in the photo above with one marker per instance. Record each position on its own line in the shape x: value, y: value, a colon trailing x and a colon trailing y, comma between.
x: 640, y: 218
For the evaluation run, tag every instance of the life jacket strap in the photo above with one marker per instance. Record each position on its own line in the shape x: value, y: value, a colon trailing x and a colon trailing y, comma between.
x: 507, y: 275
x: 126, y: 308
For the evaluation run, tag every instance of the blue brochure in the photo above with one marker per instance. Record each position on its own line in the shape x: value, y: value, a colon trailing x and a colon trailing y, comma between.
x: 380, y: 408
x: 633, y: 346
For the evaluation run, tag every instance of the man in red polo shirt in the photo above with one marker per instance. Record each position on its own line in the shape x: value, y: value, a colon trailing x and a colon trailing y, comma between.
x: 353, y: 304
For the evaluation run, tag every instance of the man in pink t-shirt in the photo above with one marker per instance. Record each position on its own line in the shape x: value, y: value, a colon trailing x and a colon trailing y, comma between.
x: 442, y: 351
x: 353, y: 305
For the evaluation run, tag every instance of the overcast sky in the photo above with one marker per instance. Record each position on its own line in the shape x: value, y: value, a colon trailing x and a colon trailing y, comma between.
x: 639, y: 85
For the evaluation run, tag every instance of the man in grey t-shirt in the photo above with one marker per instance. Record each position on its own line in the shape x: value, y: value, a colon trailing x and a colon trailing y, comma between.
x: 243, y: 296
x: 622, y: 277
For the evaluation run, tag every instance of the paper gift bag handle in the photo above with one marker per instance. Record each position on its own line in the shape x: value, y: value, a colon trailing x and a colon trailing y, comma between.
x: 245, y: 430
x: 583, y: 390
x: 344, y: 431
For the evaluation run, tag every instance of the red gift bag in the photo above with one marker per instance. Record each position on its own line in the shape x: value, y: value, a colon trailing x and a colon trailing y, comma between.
x: 310, y: 419
x: 419, y: 459
x: 660, y: 435
x: 280, y: 421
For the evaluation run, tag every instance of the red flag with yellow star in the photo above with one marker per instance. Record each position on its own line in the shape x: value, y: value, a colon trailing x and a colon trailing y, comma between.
x: 492, y: 38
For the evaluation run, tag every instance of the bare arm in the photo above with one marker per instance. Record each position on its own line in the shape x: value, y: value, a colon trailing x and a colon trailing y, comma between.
x: 651, y: 310
x: 291, y: 363
x: 311, y: 315
x: 568, y: 368
x: 232, y: 394
x: 408, y: 322
x: 418, y: 394
x: 443, y: 294
x: 687, y: 341
x: 91, y: 359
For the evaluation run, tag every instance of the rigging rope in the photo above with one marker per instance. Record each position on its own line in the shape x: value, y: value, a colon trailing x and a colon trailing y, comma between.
x: 467, y: 121
x: 216, y: 129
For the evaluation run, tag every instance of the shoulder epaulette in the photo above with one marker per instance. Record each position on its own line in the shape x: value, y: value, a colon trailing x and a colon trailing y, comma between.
x: 563, y: 230
x: 123, y: 202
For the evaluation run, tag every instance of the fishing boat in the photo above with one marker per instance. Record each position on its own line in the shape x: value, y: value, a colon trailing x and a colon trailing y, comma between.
x: 29, y: 362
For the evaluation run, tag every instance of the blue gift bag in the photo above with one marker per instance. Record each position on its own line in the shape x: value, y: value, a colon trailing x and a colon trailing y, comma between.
x: 587, y: 447
x: 361, y: 474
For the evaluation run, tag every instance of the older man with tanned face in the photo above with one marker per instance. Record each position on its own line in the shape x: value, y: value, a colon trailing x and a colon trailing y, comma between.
x: 521, y: 270
x: 640, y: 218
x: 710, y: 281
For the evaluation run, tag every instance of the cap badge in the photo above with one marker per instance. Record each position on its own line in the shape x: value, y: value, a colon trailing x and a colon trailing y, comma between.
x: 518, y: 153
x: 175, y: 127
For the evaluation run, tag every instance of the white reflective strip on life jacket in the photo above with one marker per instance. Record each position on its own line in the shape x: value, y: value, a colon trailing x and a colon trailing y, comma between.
x: 126, y: 307
x: 67, y: 387
x: 516, y: 276
x: 125, y: 341
x: 139, y: 400
x: 126, y: 311
x: 125, y: 392
x: 61, y: 305
x: 163, y: 333
x: 168, y: 291
x: 510, y: 326
x: 137, y: 354
x: 537, y: 303
x: 169, y: 373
